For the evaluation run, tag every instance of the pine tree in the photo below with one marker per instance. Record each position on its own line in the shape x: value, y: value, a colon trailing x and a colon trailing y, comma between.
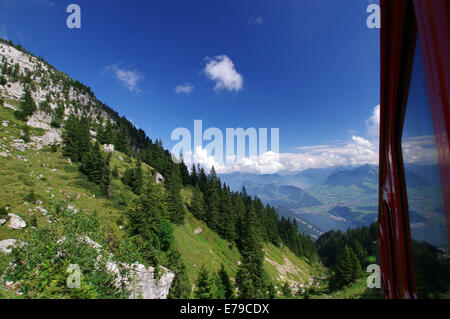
x: 122, y: 141
x: 355, y: 265
x: 184, y: 173
x: 244, y: 283
x: 58, y: 116
x: 180, y: 286
x: 225, y: 286
x: 27, y: 106
x: 76, y: 138
x: 204, y: 288
x: 345, y: 270
x: 175, y: 205
x: 145, y: 221
x: 193, y: 177
x: 115, y: 172
x: 133, y: 178
x: 105, y: 135
x: 212, y: 200
x: 197, y: 206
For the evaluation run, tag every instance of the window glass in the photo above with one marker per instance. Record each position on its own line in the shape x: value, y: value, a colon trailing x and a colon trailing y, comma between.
x: 425, y: 200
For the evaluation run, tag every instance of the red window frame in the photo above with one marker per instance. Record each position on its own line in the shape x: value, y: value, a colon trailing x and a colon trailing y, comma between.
x: 403, y: 21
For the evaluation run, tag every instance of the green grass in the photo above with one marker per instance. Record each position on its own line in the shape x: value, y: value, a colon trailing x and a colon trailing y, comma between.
x: 206, y: 249
x: 357, y: 290
x: 53, y: 178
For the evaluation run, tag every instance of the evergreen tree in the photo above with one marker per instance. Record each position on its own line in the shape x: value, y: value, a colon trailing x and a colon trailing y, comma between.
x: 148, y: 222
x: 204, y: 288
x: 225, y: 288
x: 193, y: 177
x: 76, y: 138
x: 96, y: 168
x: 197, y: 206
x: 105, y: 135
x: 184, y: 173
x: 175, y: 205
x: 122, y: 141
x: 133, y: 178
x: 212, y: 200
x: 58, y: 116
x: 115, y: 172
x: 180, y: 286
x: 27, y: 106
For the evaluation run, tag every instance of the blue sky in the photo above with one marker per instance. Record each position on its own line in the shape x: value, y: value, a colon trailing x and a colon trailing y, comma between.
x: 307, y: 67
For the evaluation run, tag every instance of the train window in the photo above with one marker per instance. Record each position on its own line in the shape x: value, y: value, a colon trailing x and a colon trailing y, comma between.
x: 424, y: 191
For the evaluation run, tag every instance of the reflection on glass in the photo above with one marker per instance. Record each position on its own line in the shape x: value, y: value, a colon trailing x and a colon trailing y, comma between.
x: 425, y: 201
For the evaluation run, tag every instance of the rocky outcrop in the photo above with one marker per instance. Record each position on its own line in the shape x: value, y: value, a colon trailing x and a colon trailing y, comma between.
x: 15, y: 222
x: 159, y: 178
x: 40, y: 120
x: 108, y: 148
x: 7, y: 245
x: 18, y: 145
x: 140, y: 281
x: 144, y: 285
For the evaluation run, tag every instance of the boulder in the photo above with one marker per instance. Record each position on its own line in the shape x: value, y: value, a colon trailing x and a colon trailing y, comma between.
x: 16, y: 222
x: 52, y: 137
x: 7, y: 245
x: 145, y: 286
x: 4, y: 154
x: 40, y: 120
x: 5, y: 123
x: 18, y: 147
x: 198, y: 231
x: 108, y: 148
x: 159, y: 178
x: 42, y: 210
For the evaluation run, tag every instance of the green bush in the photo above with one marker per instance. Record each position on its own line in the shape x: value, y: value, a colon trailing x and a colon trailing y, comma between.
x: 42, y: 262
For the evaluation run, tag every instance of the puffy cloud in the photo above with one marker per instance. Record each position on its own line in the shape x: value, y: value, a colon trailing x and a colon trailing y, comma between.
x: 128, y: 78
x: 185, y: 88
x: 266, y: 163
x: 373, y: 124
x: 357, y: 151
x: 361, y: 141
x: 257, y: 21
x: 222, y: 71
x: 420, y: 150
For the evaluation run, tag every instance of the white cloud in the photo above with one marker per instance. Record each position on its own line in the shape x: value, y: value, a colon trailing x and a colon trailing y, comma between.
x: 128, y: 78
x: 359, y: 151
x: 361, y: 141
x: 356, y: 151
x: 258, y: 20
x: 3, y: 33
x: 420, y: 150
x: 184, y: 88
x: 373, y: 123
x: 222, y: 71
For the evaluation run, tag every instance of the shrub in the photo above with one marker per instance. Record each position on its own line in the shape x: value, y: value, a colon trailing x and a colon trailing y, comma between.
x: 41, y: 263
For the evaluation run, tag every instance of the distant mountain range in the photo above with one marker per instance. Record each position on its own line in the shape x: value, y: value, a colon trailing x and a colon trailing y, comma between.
x: 322, y: 199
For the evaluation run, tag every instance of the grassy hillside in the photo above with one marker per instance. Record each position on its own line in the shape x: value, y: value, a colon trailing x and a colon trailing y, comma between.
x: 52, y: 178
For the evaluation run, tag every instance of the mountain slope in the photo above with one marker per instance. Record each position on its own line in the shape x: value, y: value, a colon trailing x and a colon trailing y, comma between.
x: 36, y: 176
